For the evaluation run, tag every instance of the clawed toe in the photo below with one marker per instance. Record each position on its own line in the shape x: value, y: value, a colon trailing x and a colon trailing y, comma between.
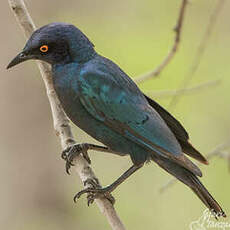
x: 93, y: 186
x: 64, y: 153
x: 73, y: 151
x: 93, y: 183
x: 94, y: 193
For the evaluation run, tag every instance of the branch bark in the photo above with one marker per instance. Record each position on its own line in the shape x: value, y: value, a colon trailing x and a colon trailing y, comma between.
x: 61, y: 122
x: 172, y: 52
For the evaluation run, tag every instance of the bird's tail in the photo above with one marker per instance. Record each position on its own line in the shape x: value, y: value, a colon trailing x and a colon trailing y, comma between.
x: 188, y: 178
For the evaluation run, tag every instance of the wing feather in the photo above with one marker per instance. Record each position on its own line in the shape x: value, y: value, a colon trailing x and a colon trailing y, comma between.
x: 131, y: 116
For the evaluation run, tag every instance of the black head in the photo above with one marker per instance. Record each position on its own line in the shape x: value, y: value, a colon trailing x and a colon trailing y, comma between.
x: 56, y: 43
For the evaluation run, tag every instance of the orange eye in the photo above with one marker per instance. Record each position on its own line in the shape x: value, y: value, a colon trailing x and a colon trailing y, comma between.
x: 44, y: 48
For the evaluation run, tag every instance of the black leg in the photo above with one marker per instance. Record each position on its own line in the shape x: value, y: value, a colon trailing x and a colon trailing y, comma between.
x: 73, y: 151
x: 95, y: 191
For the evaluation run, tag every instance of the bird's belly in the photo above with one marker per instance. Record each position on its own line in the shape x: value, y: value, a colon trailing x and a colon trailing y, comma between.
x: 81, y: 118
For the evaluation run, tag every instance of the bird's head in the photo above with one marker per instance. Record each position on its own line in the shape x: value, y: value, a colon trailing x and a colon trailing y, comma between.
x: 56, y: 43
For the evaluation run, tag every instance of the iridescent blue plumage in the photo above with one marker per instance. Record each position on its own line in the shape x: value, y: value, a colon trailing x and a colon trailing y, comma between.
x: 104, y: 102
x: 109, y: 96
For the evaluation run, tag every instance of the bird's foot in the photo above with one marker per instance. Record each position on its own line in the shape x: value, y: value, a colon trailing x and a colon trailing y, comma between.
x: 95, y: 191
x: 73, y: 151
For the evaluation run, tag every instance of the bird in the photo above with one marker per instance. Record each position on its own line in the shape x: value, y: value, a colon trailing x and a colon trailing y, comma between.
x: 102, y: 100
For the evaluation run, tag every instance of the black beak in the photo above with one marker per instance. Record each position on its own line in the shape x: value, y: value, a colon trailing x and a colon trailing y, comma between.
x: 21, y: 57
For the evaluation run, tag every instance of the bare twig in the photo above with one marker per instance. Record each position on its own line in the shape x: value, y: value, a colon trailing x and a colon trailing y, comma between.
x: 191, y: 90
x: 219, y: 150
x: 200, y: 52
x: 61, y: 122
x: 172, y: 52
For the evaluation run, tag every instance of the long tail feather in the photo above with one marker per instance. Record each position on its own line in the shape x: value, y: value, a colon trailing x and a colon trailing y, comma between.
x: 193, y: 182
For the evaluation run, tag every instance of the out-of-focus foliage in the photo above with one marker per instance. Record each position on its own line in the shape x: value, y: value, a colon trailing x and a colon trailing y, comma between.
x: 36, y: 193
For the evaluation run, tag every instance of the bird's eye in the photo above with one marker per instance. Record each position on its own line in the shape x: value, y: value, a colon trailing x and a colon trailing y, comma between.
x: 44, y: 48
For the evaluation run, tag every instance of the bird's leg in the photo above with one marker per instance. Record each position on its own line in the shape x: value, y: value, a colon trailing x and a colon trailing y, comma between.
x: 96, y: 191
x: 73, y: 151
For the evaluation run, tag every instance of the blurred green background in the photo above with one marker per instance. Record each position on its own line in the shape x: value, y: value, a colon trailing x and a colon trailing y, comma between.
x: 36, y: 193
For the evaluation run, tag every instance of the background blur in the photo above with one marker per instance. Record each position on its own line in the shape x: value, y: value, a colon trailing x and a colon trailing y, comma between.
x: 36, y: 193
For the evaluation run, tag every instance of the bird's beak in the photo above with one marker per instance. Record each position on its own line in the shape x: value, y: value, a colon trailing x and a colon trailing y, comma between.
x: 21, y: 57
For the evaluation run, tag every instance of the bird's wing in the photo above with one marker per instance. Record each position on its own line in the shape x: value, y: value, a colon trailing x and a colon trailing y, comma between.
x: 173, y: 124
x: 130, y: 115
x: 178, y: 130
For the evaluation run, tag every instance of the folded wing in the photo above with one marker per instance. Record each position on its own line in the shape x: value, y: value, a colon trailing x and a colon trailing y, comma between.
x: 129, y: 114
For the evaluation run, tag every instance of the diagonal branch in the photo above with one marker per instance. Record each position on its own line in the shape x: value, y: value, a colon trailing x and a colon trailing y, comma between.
x: 172, y: 52
x: 61, y: 122
x: 191, y: 90
x: 200, y: 52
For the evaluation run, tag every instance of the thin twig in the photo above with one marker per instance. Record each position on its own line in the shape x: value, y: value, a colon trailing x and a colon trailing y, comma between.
x: 200, y: 52
x: 217, y: 151
x: 172, y: 52
x: 61, y: 122
x: 191, y: 90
